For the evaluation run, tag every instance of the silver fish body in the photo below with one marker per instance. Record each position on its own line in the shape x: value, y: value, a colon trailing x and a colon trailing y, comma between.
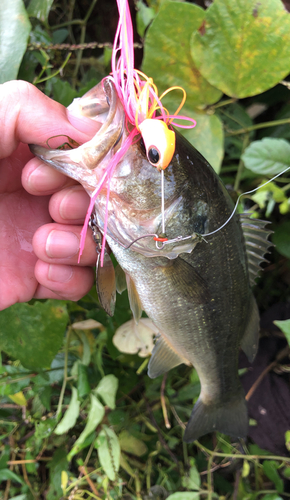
x: 198, y: 291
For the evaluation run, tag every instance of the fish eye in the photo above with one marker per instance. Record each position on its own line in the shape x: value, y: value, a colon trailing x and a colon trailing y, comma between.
x: 153, y: 155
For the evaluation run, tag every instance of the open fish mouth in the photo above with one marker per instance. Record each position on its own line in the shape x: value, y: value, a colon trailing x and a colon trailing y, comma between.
x: 100, y: 103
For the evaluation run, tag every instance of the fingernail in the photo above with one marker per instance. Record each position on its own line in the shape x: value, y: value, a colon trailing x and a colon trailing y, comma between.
x: 62, y: 244
x: 59, y: 273
x: 74, y: 205
x: 83, y: 124
x: 45, y: 178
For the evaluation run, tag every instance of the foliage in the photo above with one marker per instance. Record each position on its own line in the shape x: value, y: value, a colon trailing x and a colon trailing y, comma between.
x: 80, y: 419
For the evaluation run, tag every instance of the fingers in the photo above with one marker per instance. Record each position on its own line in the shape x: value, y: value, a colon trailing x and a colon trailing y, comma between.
x: 59, y: 244
x: 41, y: 180
x: 63, y: 281
x: 29, y: 116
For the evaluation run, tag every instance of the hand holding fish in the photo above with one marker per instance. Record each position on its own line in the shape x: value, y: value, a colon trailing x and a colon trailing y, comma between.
x: 41, y: 211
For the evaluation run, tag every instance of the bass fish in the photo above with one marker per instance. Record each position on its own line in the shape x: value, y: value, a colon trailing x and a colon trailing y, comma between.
x: 195, y: 288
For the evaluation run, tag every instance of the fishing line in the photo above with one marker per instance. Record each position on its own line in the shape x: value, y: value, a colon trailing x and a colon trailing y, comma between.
x: 162, y: 203
x: 178, y: 239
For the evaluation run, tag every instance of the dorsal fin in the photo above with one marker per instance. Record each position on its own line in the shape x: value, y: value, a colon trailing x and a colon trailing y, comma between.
x: 257, y: 243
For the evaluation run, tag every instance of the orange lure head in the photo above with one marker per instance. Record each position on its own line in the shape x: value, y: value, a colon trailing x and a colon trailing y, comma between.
x: 159, y: 142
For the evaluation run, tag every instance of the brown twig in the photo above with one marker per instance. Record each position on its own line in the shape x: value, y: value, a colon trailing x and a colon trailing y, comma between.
x: 71, y: 47
x: 161, y: 439
x: 282, y: 354
x: 88, y: 479
x: 163, y: 402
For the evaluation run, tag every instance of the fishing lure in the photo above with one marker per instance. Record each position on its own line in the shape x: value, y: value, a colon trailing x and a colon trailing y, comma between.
x: 146, y: 116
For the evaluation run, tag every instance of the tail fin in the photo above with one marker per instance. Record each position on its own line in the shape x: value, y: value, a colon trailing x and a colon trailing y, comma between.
x: 230, y: 418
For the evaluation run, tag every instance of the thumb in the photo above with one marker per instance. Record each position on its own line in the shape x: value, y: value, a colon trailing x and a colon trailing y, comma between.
x: 29, y: 116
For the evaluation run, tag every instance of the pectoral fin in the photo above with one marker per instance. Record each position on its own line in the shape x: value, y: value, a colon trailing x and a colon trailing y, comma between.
x: 106, y: 284
x: 121, y: 283
x: 250, y: 339
x: 134, y: 299
x: 163, y: 358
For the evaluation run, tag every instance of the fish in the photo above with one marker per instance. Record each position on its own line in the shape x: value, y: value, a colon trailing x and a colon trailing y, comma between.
x: 196, y: 286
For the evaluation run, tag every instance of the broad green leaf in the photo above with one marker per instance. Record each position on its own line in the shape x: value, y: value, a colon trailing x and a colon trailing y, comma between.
x: 95, y: 416
x: 33, y: 333
x: 70, y: 417
x: 7, y: 474
x: 39, y: 9
x: 281, y: 239
x: 18, y: 398
x: 268, y: 156
x: 107, y: 389
x: 167, y: 57
x: 184, y: 495
x: 132, y: 445
x: 285, y: 327
x: 242, y: 48
x: 15, y: 28
x: 270, y: 468
x: 56, y: 466
x: 207, y: 137
x: 109, y: 451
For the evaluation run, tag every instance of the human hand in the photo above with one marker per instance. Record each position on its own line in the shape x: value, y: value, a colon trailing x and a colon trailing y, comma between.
x: 41, y: 211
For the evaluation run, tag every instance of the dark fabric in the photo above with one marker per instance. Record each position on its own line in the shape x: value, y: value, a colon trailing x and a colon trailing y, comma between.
x: 270, y: 403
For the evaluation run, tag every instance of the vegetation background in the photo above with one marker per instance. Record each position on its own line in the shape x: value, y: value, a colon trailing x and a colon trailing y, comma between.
x: 80, y: 418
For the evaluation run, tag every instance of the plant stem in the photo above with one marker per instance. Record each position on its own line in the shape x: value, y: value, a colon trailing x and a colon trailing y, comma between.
x: 240, y: 455
x: 223, y: 103
x: 274, y: 123
x: 59, y: 406
x: 82, y: 40
x: 241, y: 164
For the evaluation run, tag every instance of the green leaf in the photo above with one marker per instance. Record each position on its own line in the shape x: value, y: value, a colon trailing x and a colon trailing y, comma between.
x: 95, y: 416
x: 132, y: 445
x: 270, y: 468
x: 108, y: 446
x: 242, y: 48
x: 185, y: 495
x: 7, y: 474
x: 144, y: 17
x: 33, y: 334
x: 39, y: 9
x: 207, y: 137
x: 107, y: 389
x: 285, y: 327
x: 56, y: 467
x: 281, y: 239
x: 15, y: 28
x: 272, y: 496
x: 83, y: 380
x: 70, y: 417
x: 167, y: 57
x: 268, y: 156
x: 192, y: 481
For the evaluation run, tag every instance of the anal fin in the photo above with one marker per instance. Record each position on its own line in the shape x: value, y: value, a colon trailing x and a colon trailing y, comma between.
x: 250, y: 339
x: 163, y: 358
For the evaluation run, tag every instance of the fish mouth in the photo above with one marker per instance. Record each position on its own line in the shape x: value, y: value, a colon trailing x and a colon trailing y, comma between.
x: 87, y: 162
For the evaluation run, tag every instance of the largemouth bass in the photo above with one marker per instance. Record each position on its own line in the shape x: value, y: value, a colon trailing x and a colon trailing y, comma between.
x: 197, y: 291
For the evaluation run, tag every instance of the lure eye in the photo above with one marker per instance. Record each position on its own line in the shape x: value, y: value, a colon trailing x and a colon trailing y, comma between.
x: 159, y: 142
x: 153, y: 156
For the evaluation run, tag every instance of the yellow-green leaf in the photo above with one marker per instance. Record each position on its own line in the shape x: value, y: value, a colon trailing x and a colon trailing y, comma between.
x: 242, y: 48
x: 167, y: 57
x: 18, y: 398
